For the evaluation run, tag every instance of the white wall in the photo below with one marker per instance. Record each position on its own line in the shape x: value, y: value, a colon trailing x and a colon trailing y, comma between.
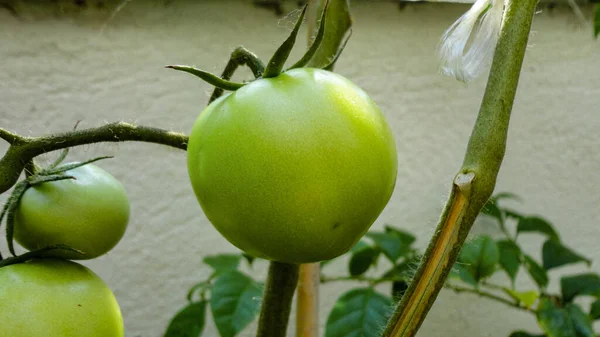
x: 58, y: 69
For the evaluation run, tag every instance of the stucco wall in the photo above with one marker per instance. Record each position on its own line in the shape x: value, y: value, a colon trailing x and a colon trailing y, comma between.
x: 57, y: 70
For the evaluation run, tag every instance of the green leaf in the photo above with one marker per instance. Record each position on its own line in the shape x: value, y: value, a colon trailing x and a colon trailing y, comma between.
x: 462, y: 272
x: 189, y: 322
x: 491, y: 209
x: 506, y: 195
x: 537, y: 273
x: 521, y: 333
x: 234, y: 302
x: 337, y: 26
x: 406, y: 237
x: 510, y: 214
x: 359, y: 312
x: 223, y: 262
x: 581, y: 322
x: 537, y: 224
x: 510, y: 258
x: 582, y: 284
x: 597, y: 21
x: 554, y: 254
x: 595, y: 310
x: 527, y: 298
x: 248, y: 258
x: 480, y: 257
x: 554, y: 321
x: 362, y: 260
x: 390, y: 244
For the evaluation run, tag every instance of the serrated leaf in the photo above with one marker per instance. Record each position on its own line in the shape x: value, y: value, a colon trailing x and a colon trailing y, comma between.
x: 581, y: 322
x: 337, y: 25
x: 406, y: 237
x: 361, y: 260
x: 537, y: 224
x: 554, y: 321
x: 527, y: 298
x: 234, y: 302
x: 595, y: 310
x: 480, y: 257
x: 391, y: 245
x: 223, y: 262
x: 510, y: 258
x: 462, y: 273
x: 521, y: 333
x: 554, y: 255
x: 537, y: 273
x: 582, y: 284
x: 188, y: 322
x: 359, y: 312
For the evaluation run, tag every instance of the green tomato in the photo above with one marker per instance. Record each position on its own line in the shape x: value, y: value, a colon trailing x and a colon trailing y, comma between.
x: 56, y: 298
x: 294, y: 168
x: 89, y: 213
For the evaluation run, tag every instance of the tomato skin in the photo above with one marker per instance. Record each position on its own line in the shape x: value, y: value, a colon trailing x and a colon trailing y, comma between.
x: 294, y: 168
x: 56, y: 298
x: 89, y: 213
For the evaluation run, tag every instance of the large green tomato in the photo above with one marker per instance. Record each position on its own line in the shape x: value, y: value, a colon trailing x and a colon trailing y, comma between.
x: 56, y: 298
x: 89, y: 213
x: 294, y: 168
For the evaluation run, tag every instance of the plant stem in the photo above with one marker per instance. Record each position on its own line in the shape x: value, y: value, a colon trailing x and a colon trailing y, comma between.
x: 23, y: 149
x: 307, y: 312
x: 476, y: 179
x: 277, y: 299
x: 488, y: 295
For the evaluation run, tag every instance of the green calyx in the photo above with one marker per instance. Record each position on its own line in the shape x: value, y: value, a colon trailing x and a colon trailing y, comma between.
x: 54, y: 172
x: 276, y: 64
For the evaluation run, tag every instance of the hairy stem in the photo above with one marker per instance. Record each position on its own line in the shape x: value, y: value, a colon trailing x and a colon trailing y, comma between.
x: 277, y: 299
x: 240, y: 56
x: 476, y: 179
x: 23, y: 149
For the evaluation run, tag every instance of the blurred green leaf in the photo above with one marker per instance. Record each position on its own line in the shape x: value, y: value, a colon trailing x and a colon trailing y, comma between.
x: 554, y: 321
x: 406, y: 237
x: 398, y: 290
x: 582, y: 284
x: 362, y: 259
x: 511, y: 214
x: 506, y: 195
x: 537, y: 273
x: 234, y: 302
x: 461, y: 272
x: 248, y: 258
x: 597, y: 20
x: 521, y: 333
x: 359, y: 312
x: 595, y: 310
x: 510, y: 258
x: 554, y: 254
x: 537, y: 224
x: 337, y: 25
x: 223, y: 262
x: 491, y: 209
x: 527, y: 298
x: 581, y: 322
x: 390, y: 245
x: 480, y: 257
x: 188, y: 322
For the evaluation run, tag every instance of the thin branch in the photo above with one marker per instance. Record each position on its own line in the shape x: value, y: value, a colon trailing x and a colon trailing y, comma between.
x: 10, y: 137
x: 488, y: 295
x: 277, y: 299
x: 23, y: 149
x: 240, y: 56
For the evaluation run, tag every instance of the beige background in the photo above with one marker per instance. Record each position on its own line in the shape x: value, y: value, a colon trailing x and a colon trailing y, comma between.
x: 57, y: 69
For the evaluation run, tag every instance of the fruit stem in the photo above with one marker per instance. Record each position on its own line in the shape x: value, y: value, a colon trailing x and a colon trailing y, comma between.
x: 476, y: 179
x: 23, y: 149
x: 239, y: 56
x: 277, y: 299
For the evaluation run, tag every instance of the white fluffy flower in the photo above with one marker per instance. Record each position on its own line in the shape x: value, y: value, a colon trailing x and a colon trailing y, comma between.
x: 467, y: 47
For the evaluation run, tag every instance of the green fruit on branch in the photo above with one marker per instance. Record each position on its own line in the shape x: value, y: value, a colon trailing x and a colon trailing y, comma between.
x: 89, y: 213
x: 294, y: 168
x: 56, y: 298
